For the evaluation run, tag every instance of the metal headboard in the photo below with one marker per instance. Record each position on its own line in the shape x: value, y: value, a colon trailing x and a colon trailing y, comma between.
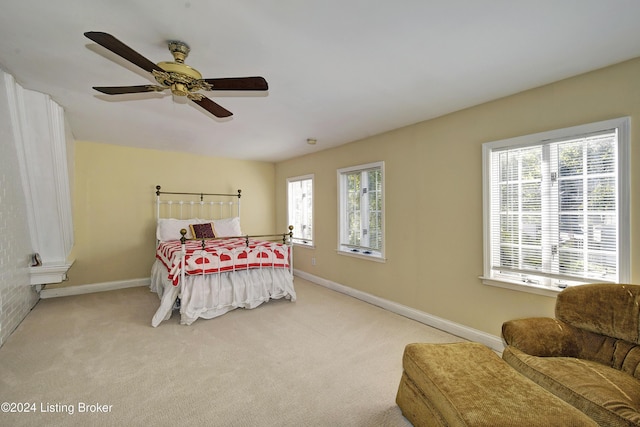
x: 217, y: 208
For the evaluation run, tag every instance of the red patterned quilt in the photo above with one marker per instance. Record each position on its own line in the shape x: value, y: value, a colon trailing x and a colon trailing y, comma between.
x: 221, y: 255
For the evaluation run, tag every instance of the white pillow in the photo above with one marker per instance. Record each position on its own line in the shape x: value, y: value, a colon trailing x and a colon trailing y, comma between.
x: 227, y: 227
x: 169, y: 228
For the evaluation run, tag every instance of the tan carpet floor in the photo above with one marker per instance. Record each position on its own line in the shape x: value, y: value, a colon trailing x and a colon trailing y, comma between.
x: 325, y: 360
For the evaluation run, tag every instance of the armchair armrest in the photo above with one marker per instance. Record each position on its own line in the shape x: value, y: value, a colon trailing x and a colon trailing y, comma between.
x: 542, y: 336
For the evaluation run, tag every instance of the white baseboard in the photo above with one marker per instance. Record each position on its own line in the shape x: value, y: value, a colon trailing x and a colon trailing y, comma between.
x: 453, y: 328
x: 95, y: 287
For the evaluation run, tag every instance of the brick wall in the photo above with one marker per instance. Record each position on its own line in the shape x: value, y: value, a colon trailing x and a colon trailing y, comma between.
x: 17, y: 297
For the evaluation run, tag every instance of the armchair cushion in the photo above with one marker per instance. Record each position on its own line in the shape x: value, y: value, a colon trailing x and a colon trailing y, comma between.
x: 607, y: 395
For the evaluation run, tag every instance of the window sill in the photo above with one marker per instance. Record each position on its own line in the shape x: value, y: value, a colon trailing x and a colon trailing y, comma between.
x: 304, y: 245
x: 371, y: 257
x: 521, y: 286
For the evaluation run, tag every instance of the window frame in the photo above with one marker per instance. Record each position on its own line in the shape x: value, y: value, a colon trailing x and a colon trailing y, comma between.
x: 351, y: 250
x: 297, y: 240
x: 623, y: 183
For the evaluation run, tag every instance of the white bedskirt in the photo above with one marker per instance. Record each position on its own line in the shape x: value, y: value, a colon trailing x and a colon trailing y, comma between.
x: 209, y: 296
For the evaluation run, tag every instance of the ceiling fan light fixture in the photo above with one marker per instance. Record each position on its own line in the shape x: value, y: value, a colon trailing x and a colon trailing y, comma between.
x: 179, y: 89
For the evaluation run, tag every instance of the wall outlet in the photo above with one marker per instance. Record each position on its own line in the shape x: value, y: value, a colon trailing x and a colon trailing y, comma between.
x: 313, y: 261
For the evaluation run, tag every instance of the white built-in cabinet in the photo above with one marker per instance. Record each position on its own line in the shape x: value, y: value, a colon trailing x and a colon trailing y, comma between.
x: 44, y: 145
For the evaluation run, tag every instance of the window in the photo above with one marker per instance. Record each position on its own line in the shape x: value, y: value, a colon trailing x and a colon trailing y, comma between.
x: 300, y: 210
x: 361, y: 210
x: 556, y: 207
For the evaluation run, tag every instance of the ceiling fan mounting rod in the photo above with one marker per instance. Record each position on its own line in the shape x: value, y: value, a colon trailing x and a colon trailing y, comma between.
x: 179, y: 50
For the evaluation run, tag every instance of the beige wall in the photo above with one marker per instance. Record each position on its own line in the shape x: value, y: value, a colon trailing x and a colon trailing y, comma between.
x: 434, y: 198
x: 114, y: 195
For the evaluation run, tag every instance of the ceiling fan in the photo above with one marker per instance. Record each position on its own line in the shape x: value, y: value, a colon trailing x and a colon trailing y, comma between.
x: 176, y: 76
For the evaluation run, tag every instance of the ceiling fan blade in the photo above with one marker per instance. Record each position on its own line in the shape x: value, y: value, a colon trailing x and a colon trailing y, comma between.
x: 116, y: 46
x: 212, y: 107
x: 119, y: 90
x: 238, y: 83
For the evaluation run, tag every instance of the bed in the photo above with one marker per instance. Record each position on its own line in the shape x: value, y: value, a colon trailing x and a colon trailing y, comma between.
x: 205, y: 266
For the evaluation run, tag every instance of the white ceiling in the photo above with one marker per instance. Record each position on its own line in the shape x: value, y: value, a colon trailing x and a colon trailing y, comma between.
x: 338, y: 70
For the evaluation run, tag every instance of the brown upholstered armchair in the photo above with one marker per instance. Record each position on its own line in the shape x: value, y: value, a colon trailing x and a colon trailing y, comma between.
x: 589, y: 355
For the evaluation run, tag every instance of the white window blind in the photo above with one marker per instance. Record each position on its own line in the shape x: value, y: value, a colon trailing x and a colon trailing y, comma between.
x: 557, y: 209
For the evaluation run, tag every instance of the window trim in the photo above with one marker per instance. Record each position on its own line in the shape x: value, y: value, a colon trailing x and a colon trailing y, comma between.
x: 622, y: 124
x: 378, y: 256
x: 311, y: 176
